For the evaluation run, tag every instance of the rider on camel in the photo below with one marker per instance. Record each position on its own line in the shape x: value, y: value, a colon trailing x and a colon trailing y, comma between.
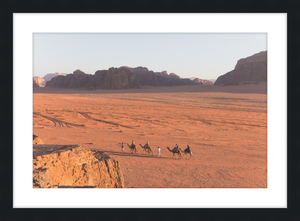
x: 188, y: 147
x: 176, y: 147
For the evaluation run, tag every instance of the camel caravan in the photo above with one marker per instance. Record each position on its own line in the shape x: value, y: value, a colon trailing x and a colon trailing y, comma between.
x: 147, y: 149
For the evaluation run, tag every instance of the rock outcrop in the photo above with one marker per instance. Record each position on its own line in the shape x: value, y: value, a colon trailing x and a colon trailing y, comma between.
x: 250, y: 69
x: 114, y: 78
x: 37, y: 140
x: 71, y: 166
x: 38, y: 82
x: 48, y: 77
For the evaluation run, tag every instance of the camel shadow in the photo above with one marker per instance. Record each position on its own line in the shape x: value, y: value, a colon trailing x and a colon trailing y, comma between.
x: 76, y: 187
x: 128, y: 154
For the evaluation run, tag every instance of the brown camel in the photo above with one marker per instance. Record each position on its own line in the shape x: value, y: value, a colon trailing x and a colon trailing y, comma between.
x: 132, y: 148
x: 187, y: 151
x: 175, y: 151
x: 147, y: 149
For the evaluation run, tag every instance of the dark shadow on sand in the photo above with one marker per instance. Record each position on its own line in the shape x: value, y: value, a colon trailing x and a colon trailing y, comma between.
x: 76, y: 187
x: 128, y: 154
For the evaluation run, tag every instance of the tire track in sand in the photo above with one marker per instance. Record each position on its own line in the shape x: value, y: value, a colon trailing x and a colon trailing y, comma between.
x: 60, y: 122
x: 103, y: 121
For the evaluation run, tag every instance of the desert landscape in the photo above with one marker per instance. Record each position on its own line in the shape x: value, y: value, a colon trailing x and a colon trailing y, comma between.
x: 225, y: 127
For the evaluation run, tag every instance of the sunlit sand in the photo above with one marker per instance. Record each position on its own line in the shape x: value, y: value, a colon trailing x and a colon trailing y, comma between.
x: 225, y: 127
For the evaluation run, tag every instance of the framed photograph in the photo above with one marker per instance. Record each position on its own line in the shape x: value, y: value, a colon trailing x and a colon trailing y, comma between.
x: 232, y: 134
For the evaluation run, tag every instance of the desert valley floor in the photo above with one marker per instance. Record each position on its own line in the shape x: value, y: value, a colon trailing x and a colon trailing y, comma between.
x: 225, y: 127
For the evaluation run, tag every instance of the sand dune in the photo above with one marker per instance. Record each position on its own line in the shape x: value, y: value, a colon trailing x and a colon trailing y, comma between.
x: 226, y: 128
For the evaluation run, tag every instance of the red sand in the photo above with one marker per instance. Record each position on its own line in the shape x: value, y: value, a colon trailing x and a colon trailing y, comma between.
x: 226, y: 128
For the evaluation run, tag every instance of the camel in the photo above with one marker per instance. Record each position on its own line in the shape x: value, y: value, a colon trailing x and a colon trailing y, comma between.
x: 132, y: 148
x: 147, y: 149
x: 175, y: 151
x: 187, y: 151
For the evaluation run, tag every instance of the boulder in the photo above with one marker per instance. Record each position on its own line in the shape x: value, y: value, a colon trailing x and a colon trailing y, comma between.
x: 250, y: 69
x: 37, y: 140
x: 73, y: 166
x: 38, y: 82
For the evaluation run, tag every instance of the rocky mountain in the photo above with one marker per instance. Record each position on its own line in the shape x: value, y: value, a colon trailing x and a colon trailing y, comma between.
x: 73, y: 166
x: 250, y: 69
x: 113, y: 78
x: 48, y: 77
x: 151, y: 78
x: 38, y: 82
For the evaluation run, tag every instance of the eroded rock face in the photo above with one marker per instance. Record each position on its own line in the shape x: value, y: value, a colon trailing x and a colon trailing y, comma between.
x: 63, y: 166
x: 38, y: 82
x: 37, y: 140
x: 250, y: 69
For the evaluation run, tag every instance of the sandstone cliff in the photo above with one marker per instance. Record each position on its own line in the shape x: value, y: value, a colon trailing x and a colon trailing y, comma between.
x: 38, y: 82
x: 250, y: 69
x: 66, y: 166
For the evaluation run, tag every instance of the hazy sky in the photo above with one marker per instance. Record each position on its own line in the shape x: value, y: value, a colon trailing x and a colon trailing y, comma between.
x: 206, y: 56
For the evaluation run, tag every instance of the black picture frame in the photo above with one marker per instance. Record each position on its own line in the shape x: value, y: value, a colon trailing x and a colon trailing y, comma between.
x: 8, y: 7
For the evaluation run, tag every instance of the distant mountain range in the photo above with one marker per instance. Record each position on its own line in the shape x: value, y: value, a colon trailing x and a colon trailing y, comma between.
x: 252, y: 69
x: 119, y: 78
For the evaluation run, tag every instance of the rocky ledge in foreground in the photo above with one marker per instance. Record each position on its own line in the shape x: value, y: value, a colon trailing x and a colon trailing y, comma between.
x: 65, y: 166
x: 37, y: 140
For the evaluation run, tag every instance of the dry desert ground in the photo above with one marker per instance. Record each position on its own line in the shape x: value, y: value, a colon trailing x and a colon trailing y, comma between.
x: 225, y: 127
